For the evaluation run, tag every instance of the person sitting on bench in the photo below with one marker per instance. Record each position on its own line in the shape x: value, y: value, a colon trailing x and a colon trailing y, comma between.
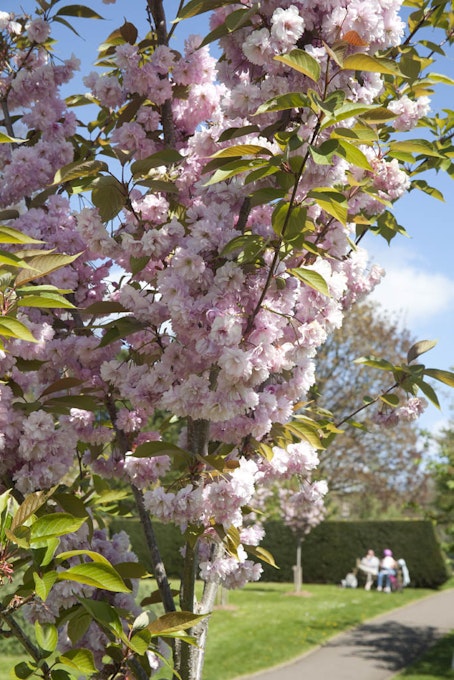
x: 369, y: 565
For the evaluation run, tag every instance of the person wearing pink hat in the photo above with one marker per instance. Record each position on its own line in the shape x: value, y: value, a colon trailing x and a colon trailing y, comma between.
x: 388, y: 568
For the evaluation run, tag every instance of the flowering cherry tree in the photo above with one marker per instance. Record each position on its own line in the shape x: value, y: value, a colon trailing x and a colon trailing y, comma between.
x: 210, y: 217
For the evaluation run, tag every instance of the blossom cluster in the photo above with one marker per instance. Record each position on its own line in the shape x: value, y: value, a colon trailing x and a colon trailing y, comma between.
x: 219, y: 338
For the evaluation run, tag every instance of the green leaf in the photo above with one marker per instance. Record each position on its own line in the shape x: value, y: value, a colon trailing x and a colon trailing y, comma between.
x: 46, y: 636
x: 332, y: 202
x: 104, y: 614
x: 233, y: 132
x: 311, y: 278
x: 266, y: 195
x: 419, y: 348
x: 165, y: 157
x: 262, y: 554
x: 43, y: 265
x: 62, y: 405
x: 42, y: 288
x: 390, y: 399
x: 445, y: 377
x: 360, y: 133
x: 78, y: 11
x: 81, y: 660
x: 440, y: 78
x: 279, y: 216
x: 233, y: 21
x: 6, y: 139
x: 428, y: 391
x: 365, y: 62
x: 422, y: 185
x: 29, y: 506
x: 347, y: 110
x: 78, y: 624
x: 151, y: 449
x: 283, y: 102
x: 60, y: 673
x: 323, y: 154
x: 45, y: 301
x: 12, y: 260
x: 109, y: 497
x: 242, y: 242
x: 378, y: 115
x: 62, y: 384
x: 417, y: 146
x: 240, y: 150
x: 173, y: 622
x: 96, y: 557
x: 388, y: 227
x: 381, y: 364
x: 104, y: 308
x: 56, y: 524
x: 196, y: 7
x: 302, y: 62
x: 77, y: 170
x: 109, y: 196
x: 143, y: 620
x: 234, y: 168
x: 128, y: 570
x: 43, y: 585
x: 12, y: 328
x: 102, y: 576
x: 353, y: 155
x: 43, y: 554
x: 79, y: 100
x: 10, y: 235
x: 156, y: 598
x: 120, y: 329
x: 23, y: 670
x: 306, y: 429
x: 140, y: 641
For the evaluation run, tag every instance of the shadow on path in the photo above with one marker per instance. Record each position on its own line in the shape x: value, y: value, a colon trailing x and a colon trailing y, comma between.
x: 391, y: 645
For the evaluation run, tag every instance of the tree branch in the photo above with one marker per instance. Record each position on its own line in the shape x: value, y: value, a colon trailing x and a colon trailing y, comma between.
x: 156, y: 9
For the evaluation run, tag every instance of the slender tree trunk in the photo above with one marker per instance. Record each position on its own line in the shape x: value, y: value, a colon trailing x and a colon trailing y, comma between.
x: 190, y: 658
x: 297, y: 569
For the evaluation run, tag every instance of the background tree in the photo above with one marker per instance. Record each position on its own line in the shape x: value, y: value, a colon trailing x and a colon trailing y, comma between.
x: 442, y: 475
x: 370, y: 470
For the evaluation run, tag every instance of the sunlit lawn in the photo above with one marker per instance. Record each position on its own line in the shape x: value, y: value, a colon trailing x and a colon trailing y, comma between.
x: 268, y: 625
x: 265, y: 624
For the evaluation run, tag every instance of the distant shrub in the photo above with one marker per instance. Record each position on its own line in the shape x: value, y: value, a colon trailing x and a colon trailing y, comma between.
x: 329, y: 552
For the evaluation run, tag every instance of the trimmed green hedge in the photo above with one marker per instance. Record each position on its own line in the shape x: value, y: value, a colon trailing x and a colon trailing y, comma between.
x: 329, y: 552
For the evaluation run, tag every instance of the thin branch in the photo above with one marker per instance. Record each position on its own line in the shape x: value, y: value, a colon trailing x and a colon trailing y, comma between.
x: 159, y: 570
x: 156, y: 9
x: 150, y: 536
x: 284, y: 228
x: 364, y: 406
x: 19, y: 634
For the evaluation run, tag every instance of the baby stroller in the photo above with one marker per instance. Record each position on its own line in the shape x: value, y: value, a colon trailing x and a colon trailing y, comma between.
x: 402, y: 577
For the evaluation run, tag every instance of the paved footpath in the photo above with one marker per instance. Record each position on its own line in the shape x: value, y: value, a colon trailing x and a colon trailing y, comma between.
x: 376, y: 650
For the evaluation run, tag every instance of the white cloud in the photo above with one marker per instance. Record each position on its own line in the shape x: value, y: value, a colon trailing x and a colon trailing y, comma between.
x: 417, y: 294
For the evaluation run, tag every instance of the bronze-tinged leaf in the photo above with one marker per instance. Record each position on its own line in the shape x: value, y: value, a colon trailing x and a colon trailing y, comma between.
x: 419, y: 348
x: 353, y: 38
x: 174, y: 621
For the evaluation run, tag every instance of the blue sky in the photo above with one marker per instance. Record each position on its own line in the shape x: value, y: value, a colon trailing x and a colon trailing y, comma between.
x: 419, y: 282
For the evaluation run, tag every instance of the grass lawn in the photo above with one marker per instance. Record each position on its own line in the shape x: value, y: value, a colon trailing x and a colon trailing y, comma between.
x: 265, y: 624
x: 435, y: 664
